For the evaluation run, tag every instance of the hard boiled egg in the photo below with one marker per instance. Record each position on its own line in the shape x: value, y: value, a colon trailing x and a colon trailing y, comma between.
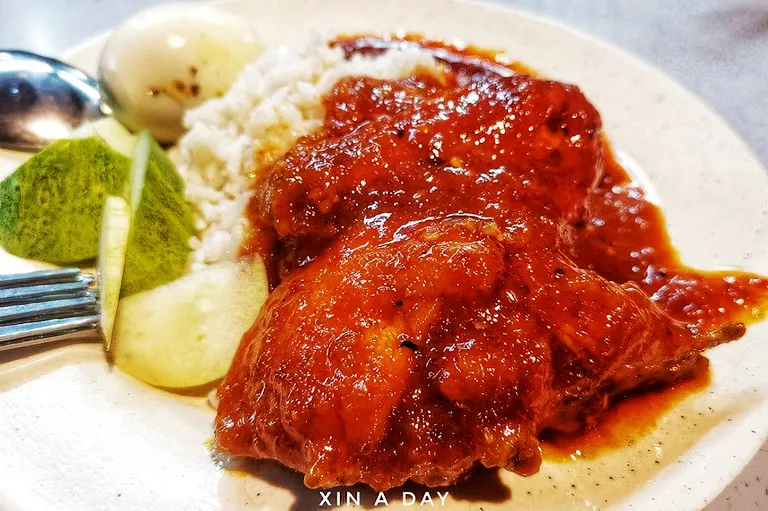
x: 169, y: 58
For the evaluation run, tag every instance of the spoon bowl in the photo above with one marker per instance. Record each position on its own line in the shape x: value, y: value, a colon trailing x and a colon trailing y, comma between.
x: 43, y: 99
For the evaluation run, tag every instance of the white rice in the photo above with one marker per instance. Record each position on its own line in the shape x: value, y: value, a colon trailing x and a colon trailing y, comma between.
x: 275, y: 100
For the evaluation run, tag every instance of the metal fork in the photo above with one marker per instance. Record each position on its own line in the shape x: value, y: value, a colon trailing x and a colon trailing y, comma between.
x: 48, y: 306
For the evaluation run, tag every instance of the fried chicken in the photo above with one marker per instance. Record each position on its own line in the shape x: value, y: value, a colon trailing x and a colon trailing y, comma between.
x: 428, y: 314
x: 417, y: 353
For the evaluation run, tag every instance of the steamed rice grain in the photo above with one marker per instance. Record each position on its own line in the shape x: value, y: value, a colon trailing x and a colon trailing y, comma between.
x: 275, y: 100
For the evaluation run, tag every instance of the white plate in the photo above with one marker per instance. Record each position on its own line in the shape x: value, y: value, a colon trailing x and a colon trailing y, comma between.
x: 75, y: 436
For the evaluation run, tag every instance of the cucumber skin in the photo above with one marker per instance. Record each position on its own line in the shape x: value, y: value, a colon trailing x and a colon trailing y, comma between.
x: 57, y: 219
x: 158, y: 248
x: 51, y: 206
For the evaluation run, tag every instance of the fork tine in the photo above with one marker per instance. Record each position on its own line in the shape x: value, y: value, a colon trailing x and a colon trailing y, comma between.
x: 41, y: 332
x: 40, y: 277
x: 30, y: 312
x: 47, y: 306
x: 86, y: 278
x: 27, y: 294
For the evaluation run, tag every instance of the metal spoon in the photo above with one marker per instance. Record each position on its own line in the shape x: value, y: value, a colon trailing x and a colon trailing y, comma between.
x: 43, y: 99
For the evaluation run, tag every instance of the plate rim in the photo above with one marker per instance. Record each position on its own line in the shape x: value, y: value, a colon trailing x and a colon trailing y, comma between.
x: 638, y: 61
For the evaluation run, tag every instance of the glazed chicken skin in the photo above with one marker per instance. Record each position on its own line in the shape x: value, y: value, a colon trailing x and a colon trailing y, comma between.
x: 487, y: 142
x: 443, y: 294
x: 439, y: 353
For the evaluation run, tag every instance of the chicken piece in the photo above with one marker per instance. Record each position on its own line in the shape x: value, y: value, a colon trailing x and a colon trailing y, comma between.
x: 606, y: 338
x: 428, y: 315
x: 319, y: 375
x: 501, y: 144
x: 415, y: 351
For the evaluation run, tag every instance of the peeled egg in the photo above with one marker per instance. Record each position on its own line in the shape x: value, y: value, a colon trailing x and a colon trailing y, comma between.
x: 168, y: 58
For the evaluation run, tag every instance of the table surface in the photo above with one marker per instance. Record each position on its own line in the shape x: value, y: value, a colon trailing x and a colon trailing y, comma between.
x: 717, y: 48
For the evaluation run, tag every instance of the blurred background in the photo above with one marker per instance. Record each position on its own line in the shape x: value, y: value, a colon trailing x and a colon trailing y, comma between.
x: 716, y: 48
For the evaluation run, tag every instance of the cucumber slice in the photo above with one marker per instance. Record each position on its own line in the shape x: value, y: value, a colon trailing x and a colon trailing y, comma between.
x: 110, y: 131
x: 162, y: 225
x: 113, y: 242
x: 185, y: 334
x: 51, y: 206
x: 139, y: 167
